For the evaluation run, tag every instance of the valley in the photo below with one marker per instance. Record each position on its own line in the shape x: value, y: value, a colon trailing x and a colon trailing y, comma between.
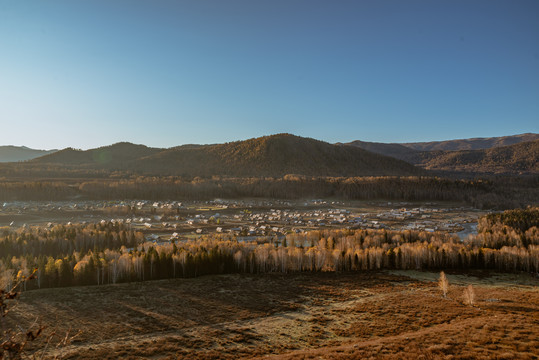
x: 269, y: 180
x: 248, y: 219
x: 275, y: 247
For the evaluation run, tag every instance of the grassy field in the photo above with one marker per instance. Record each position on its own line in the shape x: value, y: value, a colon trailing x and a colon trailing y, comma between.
x: 391, y: 315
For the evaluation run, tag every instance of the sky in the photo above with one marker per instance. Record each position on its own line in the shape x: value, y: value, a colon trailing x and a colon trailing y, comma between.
x: 85, y: 74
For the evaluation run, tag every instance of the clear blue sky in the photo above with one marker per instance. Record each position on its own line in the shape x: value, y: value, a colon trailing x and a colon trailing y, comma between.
x: 164, y: 73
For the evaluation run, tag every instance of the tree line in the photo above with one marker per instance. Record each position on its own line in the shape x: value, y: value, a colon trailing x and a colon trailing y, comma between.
x: 478, y: 193
x: 60, y: 240
x: 323, y: 250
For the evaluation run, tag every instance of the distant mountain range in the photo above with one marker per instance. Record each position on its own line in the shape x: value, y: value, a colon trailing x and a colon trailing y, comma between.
x: 11, y: 153
x: 521, y: 158
x: 110, y: 157
x: 278, y: 155
x: 489, y: 155
x: 272, y: 156
x: 473, y: 143
x: 397, y: 151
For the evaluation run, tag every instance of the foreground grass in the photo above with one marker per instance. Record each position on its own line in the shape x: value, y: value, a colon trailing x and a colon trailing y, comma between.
x: 351, y: 315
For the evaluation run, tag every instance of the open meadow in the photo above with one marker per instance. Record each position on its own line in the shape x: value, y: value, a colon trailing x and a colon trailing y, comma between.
x: 382, y: 314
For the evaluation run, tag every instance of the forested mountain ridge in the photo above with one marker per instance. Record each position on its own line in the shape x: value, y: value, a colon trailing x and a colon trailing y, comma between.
x: 278, y: 166
x: 279, y: 155
x: 10, y: 153
x: 111, y: 156
x: 521, y: 158
x: 276, y: 155
x: 472, y: 144
x: 273, y: 156
x: 397, y: 151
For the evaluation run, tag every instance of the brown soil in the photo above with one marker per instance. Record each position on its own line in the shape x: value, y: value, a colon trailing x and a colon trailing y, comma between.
x: 331, y: 316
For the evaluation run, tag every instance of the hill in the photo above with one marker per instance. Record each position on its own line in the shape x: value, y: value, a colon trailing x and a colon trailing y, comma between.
x: 282, y: 154
x: 472, y: 144
x: 108, y: 157
x: 397, y: 151
x: 11, y: 153
x: 521, y: 158
x: 272, y: 156
x: 275, y: 155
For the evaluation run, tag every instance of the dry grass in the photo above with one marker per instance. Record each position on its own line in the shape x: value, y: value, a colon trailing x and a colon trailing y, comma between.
x: 360, y: 315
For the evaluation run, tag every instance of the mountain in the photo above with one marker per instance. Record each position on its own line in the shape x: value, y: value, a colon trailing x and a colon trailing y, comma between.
x: 11, y: 153
x: 517, y: 158
x: 272, y: 156
x: 108, y: 157
x: 472, y: 144
x: 397, y: 151
x: 521, y: 158
x: 276, y: 155
x: 281, y: 154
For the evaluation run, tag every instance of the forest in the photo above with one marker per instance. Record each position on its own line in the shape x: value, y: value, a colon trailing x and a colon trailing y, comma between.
x: 108, y: 253
x: 495, y: 193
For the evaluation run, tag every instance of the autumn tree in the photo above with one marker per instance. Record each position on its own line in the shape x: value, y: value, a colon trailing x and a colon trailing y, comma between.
x: 443, y: 283
x: 469, y: 295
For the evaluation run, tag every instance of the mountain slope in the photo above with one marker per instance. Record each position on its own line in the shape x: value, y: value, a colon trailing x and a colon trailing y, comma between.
x: 20, y: 153
x: 521, y: 158
x: 112, y: 156
x: 278, y: 155
x: 397, y: 151
x: 272, y: 156
x: 518, y: 158
x: 275, y: 155
x: 472, y: 144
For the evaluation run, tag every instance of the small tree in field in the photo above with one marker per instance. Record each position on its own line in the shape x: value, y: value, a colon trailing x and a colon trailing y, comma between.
x: 443, y: 283
x: 469, y: 295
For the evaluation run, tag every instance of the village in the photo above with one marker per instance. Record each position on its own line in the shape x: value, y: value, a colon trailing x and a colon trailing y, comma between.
x: 261, y: 220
